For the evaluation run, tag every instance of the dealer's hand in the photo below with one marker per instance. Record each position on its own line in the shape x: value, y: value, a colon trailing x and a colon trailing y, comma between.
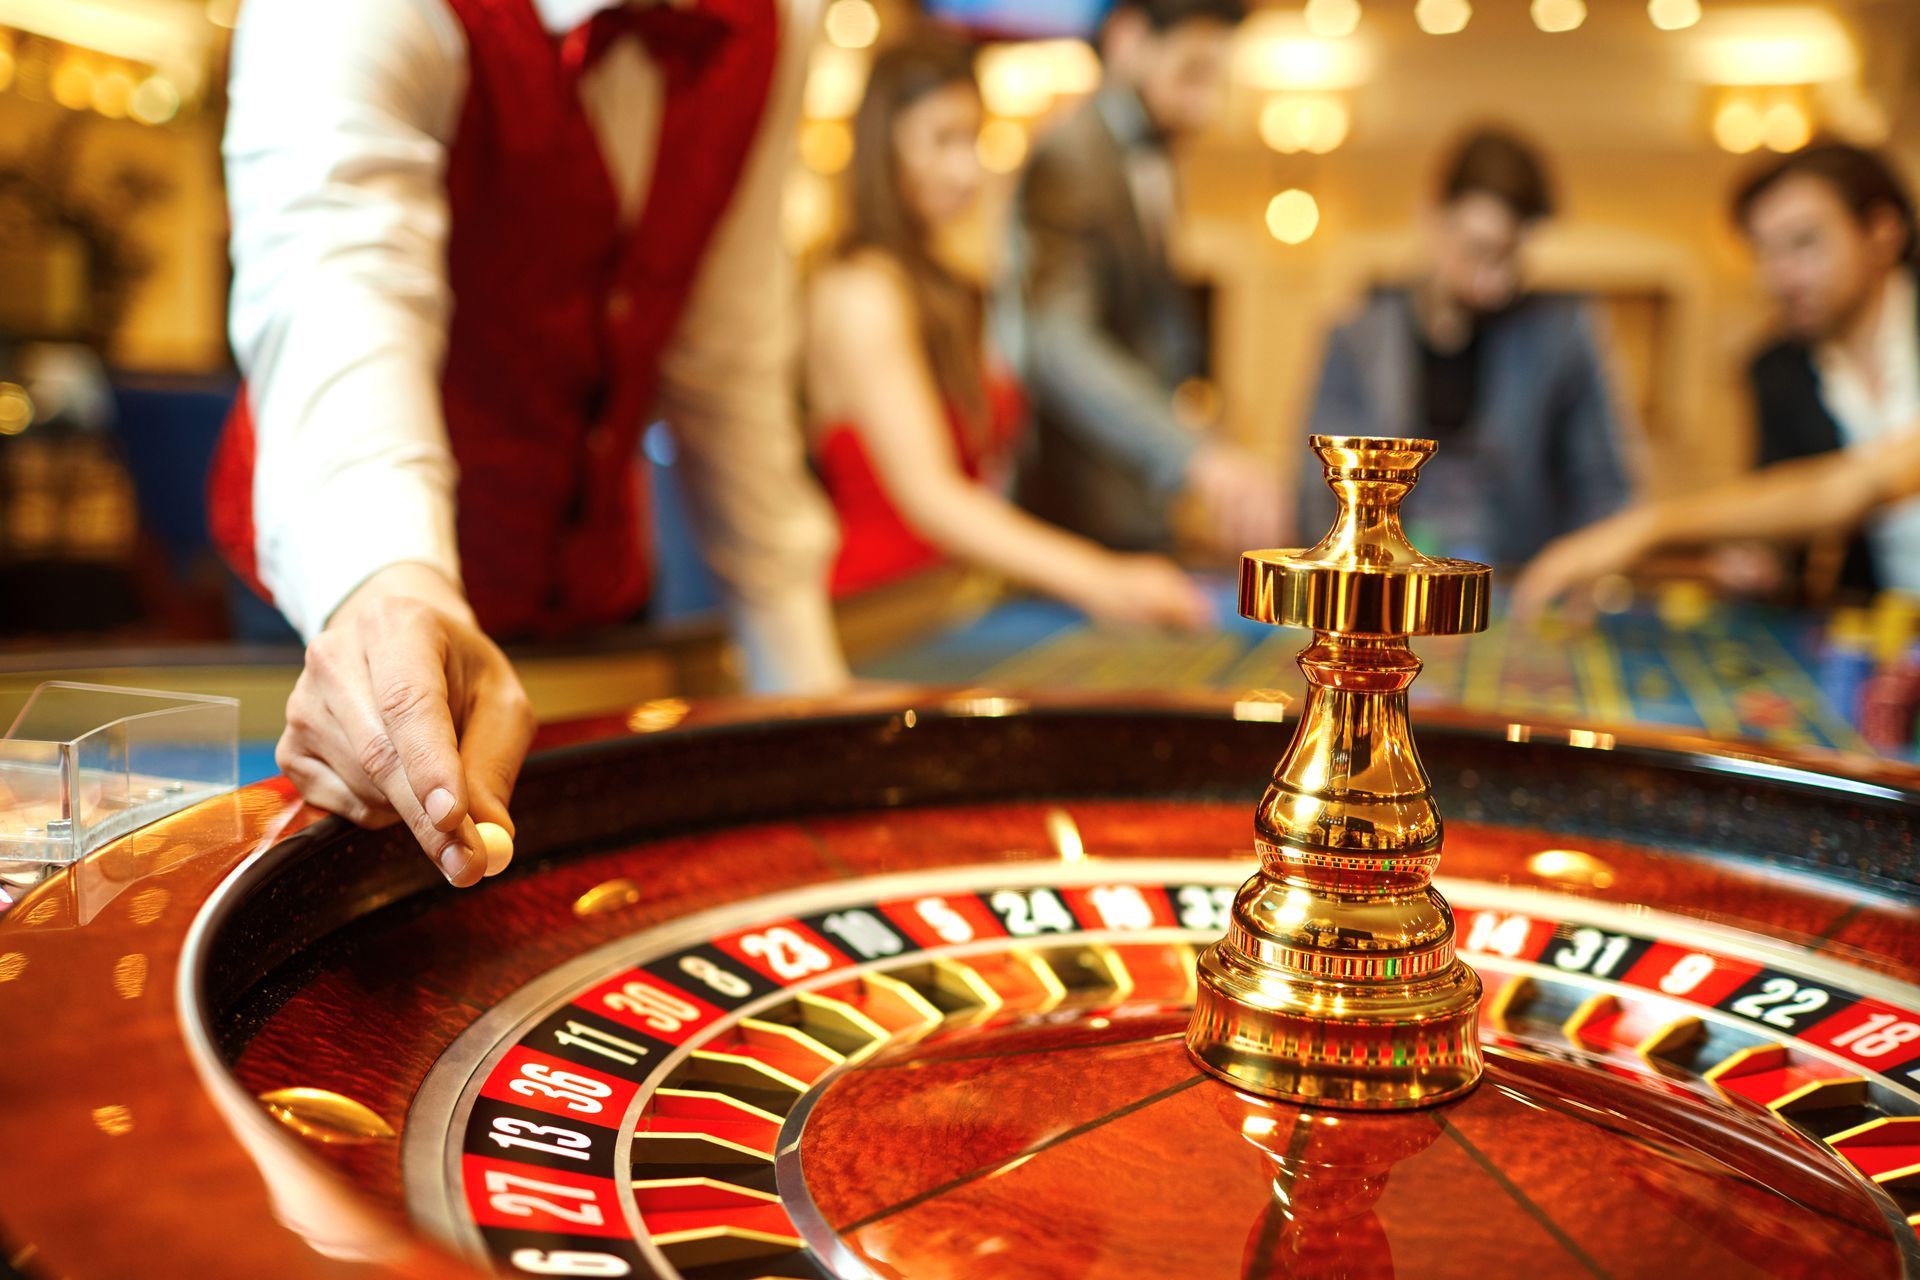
x: 407, y: 712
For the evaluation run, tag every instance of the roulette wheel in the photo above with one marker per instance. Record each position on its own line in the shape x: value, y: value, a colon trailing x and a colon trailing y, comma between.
x: 965, y: 984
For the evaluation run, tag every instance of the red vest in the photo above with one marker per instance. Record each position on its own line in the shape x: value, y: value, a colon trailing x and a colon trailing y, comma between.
x: 559, y: 314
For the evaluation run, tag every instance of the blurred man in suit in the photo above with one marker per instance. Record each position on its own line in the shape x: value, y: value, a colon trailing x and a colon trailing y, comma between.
x: 1109, y: 329
x: 1512, y: 384
x: 1837, y: 397
x: 1832, y: 230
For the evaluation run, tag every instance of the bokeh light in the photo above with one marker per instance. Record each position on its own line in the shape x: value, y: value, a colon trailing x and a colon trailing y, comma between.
x: 1276, y: 57
x: 836, y: 79
x: 1074, y: 65
x: 1785, y: 127
x: 1013, y: 81
x: 852, y: 24
x: 1293, y: 216
x: 1022, y: 80
x: 826, y: 145
x: 1788, y: 45
x: 1556, y: 16
x: 113, y: 93
x: 806, y: 210
x: 1673, y: 15
x: 1295, y: 123
x: 1332, y: 18
x: 1737, y: 126
x: 73, y: 84
x: 154, y: 101
x: 1442, y: 17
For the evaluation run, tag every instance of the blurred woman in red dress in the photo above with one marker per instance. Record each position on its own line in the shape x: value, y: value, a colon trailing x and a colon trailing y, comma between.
x: 915, y: 426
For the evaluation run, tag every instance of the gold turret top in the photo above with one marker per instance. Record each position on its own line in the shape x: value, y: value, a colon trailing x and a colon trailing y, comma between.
x: 1364, y: 577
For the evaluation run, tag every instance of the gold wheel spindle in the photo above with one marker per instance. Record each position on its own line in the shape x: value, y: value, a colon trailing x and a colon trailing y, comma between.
x: 1337, y: 983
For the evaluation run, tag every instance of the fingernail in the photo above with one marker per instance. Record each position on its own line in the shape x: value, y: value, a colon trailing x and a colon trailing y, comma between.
x: 439, y: 805
x: 453, y: 861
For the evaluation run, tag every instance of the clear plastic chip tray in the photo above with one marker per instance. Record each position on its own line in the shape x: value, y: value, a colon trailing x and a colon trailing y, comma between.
x: 84, y: 764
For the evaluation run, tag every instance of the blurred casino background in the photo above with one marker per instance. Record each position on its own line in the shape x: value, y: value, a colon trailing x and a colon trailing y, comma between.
x: 114, y: 371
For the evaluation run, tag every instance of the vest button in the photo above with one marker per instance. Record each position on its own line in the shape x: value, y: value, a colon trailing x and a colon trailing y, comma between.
x: 619, y: 305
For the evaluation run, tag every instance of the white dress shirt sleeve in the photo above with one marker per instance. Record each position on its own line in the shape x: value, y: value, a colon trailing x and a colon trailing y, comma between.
x: 727, y: 391
x: 336, y: 148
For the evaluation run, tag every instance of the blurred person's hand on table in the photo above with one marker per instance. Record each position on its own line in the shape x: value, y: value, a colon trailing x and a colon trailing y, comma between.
x: 1790, y: 501
x: 1244, y: 506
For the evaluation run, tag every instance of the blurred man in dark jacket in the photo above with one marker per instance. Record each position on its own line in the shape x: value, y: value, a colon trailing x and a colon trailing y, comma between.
x: 1512, y: 384
x: 1109, y: 330
x: 1837, y: 397
x: 1832, y: 230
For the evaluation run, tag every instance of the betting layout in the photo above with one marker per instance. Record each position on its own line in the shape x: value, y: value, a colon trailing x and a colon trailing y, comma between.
x: 622, y: 1114
x: 1734, y: 672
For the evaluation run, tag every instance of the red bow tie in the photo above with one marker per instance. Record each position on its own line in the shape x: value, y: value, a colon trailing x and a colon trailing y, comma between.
x: 672, y: 33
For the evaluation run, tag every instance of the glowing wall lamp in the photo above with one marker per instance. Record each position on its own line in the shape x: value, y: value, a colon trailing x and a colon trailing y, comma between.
x: 1277, y: 51
x: 1796, y: 44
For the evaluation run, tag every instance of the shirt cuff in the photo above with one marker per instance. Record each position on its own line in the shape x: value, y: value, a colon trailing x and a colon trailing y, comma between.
x: 789, y: 643
x: 351, y: 527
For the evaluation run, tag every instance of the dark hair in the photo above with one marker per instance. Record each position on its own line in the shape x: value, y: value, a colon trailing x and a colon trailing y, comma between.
x: 1164, y: 14
x: 1500, y: 164
x: 1863, y: 180
x: 950, y: 310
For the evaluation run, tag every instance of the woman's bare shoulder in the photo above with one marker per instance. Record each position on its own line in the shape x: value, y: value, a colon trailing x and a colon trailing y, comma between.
x: 861, y: 292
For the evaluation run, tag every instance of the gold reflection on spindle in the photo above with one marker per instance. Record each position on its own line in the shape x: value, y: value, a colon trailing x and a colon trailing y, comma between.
x: 12, y: 965
x: 327, y: 1117
x: 1337, y: 984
